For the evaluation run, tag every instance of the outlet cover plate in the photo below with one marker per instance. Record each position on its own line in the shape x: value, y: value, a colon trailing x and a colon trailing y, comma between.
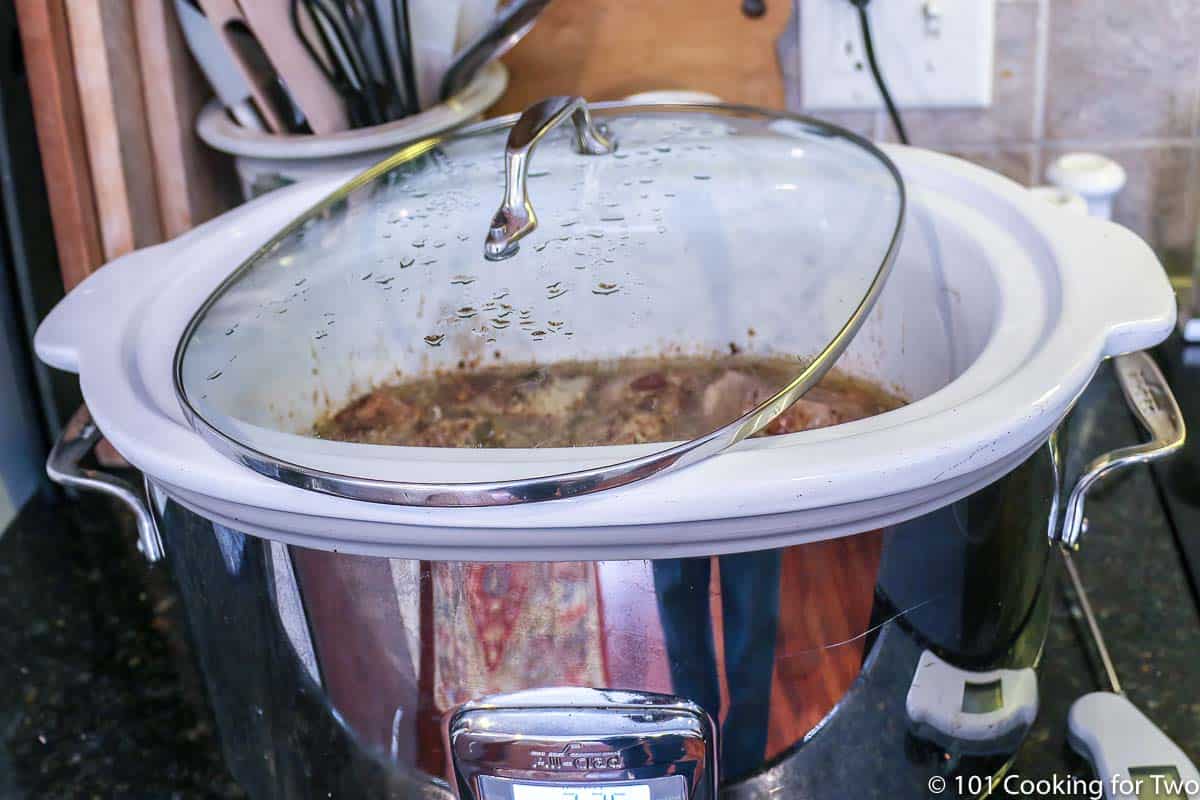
x: 933, y: 53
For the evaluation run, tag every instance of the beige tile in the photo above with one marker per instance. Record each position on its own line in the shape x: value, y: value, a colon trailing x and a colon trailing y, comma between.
x: 1014, y: 162
x: 860, y: 122
x: 1158, y: 201
x: 1010, y: 116
x: 1121, y: 69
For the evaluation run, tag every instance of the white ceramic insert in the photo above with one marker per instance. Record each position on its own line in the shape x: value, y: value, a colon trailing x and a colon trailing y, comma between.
x: 992, y: 323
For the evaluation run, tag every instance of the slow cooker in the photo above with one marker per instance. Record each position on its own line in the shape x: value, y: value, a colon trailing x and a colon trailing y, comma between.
x: 839, y: 612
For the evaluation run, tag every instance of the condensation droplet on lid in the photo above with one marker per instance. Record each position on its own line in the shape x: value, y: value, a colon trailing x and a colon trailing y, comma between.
x: 462, y: 280
x: 212, y: 376
x: 435, y: 339
x: 605, y: 288
x: 367, y: 276
x: 702, y: 177
x: 405, y: 263
x: 419, y: 243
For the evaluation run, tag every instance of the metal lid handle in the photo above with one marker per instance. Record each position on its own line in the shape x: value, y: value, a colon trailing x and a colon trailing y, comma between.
x: 1150, y: 398
x: 515, y: 218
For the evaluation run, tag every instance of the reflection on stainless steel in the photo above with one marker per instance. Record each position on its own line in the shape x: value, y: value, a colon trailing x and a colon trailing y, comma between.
x: 799, y: 655
x: 515, y: 219
x: 575, y: 735
x: 1151, y: 401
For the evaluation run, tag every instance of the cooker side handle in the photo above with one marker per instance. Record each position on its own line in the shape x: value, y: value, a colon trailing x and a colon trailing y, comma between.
x: 1151, y: 401
x: 79, y: 437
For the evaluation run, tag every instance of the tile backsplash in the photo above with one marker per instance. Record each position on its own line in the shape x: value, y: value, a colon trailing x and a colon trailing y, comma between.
x: 1119, y: 77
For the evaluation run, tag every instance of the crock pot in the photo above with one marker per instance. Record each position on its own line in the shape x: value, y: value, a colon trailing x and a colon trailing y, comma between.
x: 845, y: 611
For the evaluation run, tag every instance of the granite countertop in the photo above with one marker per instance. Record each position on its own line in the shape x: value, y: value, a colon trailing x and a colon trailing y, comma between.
x: 99, y: 696
x: 1145, y: 600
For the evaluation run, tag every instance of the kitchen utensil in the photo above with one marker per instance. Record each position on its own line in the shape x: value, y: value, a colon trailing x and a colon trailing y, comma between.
x: 324, y: 32
x: 1131, y: 755
x: 368, y: 33
x: 432, y: 28
x: 250, y: 61
x: 220, y: 70
x: 509, y: 27
x: 971, y: 711
x: 270, y: 22
x: 397, y: 52
x: 265, y: 161
x: 785, y: 588
x: 404, y: 55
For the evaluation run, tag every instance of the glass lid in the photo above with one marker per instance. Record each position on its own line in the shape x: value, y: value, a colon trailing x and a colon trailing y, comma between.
x: 475, y: 323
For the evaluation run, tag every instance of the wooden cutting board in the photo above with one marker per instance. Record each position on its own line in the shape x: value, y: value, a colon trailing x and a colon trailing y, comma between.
x: 607, y: 49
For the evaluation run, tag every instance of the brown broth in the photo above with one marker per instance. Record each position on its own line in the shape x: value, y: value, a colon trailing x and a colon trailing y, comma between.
x: 577, y: 403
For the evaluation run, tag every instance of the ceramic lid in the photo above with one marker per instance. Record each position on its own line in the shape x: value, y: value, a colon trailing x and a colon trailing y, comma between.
x: 631, y: 231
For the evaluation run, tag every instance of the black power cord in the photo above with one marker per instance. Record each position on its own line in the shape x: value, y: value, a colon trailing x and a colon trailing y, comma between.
x: 869, y: 47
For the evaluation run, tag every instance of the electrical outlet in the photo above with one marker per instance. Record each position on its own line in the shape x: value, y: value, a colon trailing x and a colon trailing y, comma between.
x: 932, y: 53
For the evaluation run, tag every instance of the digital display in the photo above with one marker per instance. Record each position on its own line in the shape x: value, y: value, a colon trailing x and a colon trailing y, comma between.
x: 1158, y: 783
x: 540, y: 791
x: 669, y: 787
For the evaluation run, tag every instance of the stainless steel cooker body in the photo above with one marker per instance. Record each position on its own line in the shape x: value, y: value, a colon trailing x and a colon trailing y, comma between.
x: 340, y: 673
